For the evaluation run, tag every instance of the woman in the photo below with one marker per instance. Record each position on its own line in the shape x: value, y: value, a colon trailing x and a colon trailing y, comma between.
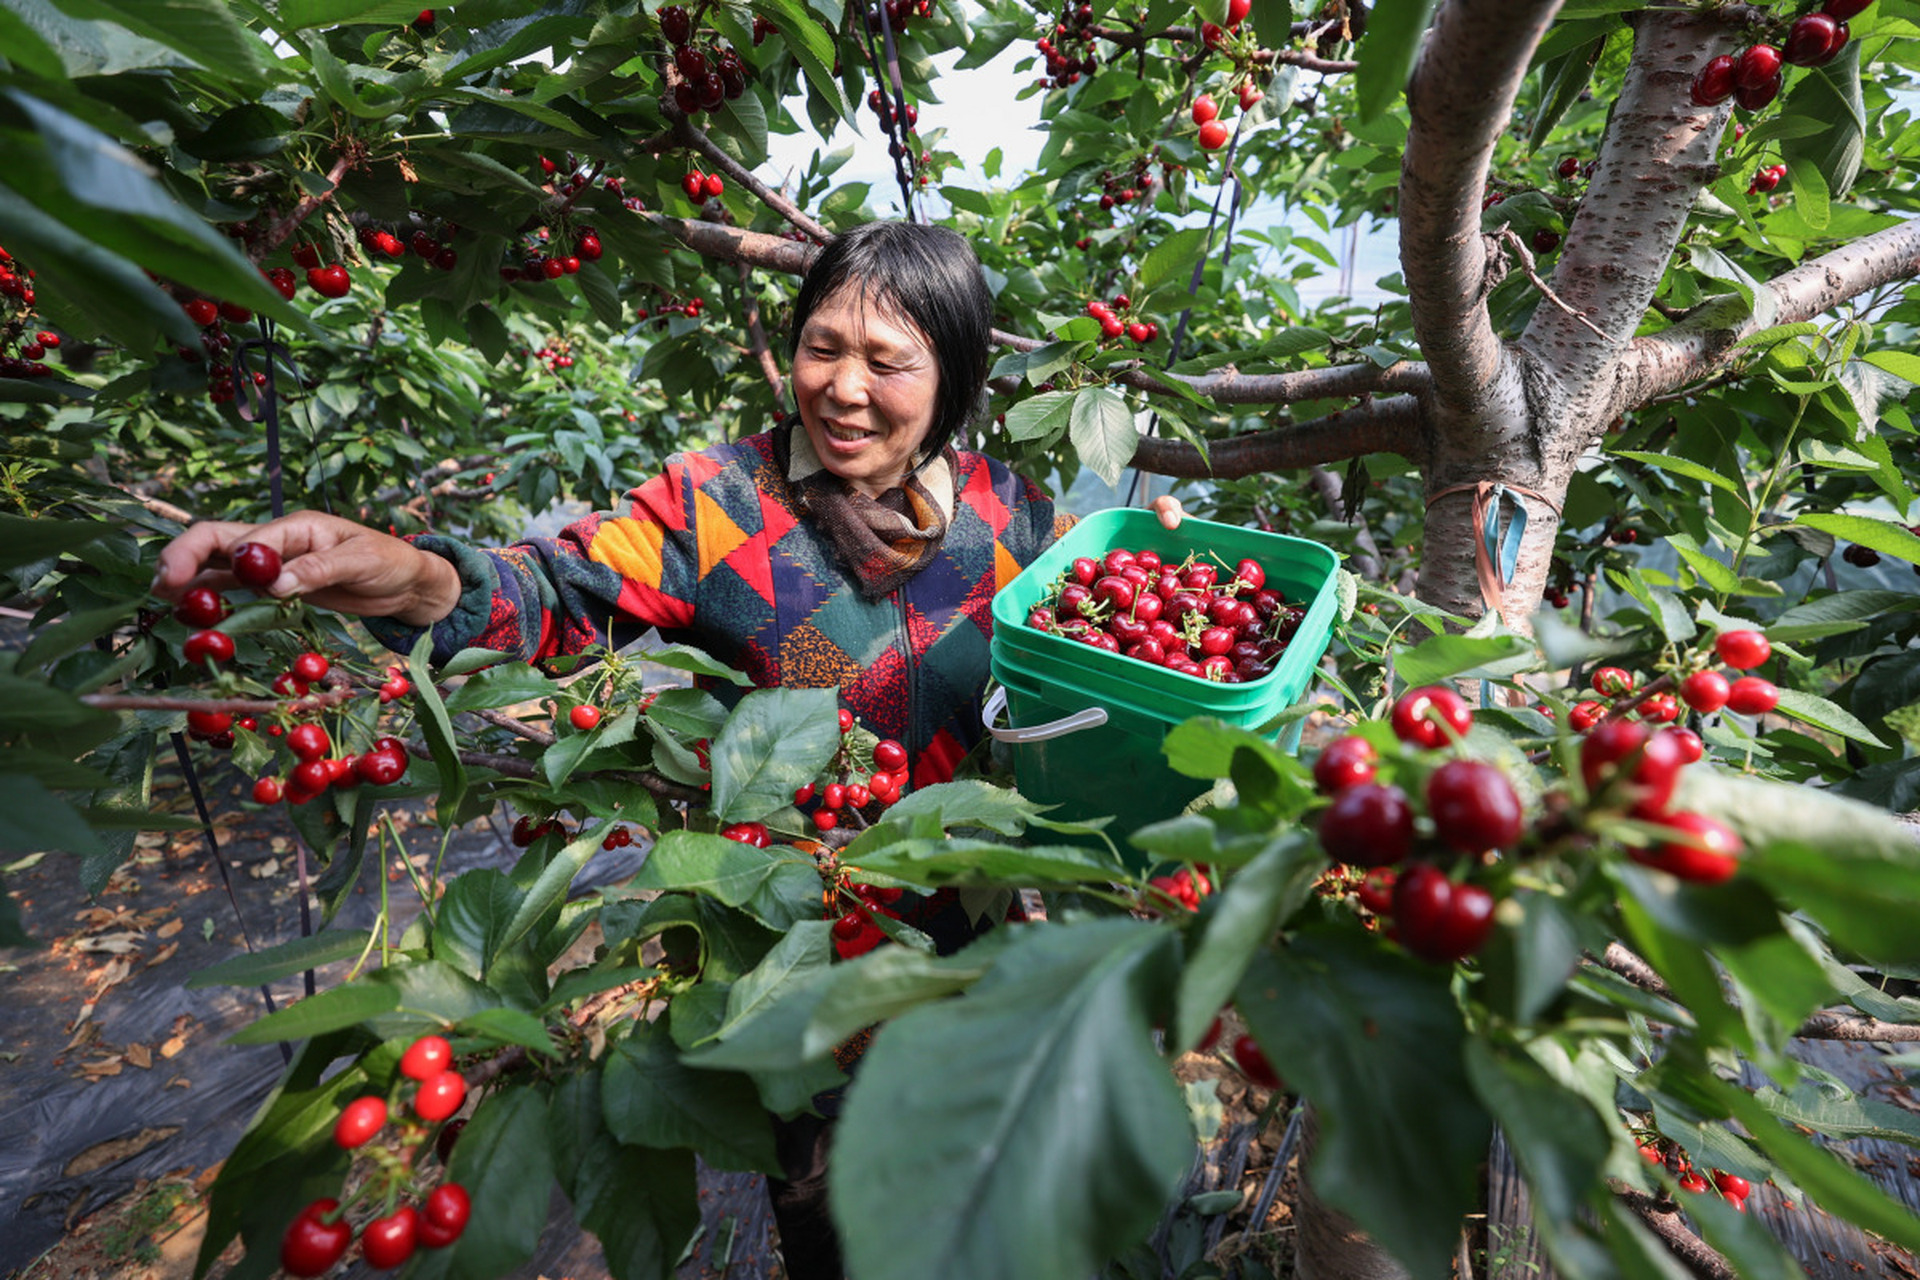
x: 852, y: 546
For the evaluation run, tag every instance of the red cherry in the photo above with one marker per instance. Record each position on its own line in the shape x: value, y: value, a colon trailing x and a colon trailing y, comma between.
x: 308, y: 741
x: 1138, y: 332
x: 330, y: 281
x: 1419, y: 714
x: 1712, y: 84
x: 1213, y: 135
x: 584, y: 717
x: 208, y: 646
x: 1205, y: 109
x: 308, y: 779
x: 1612, y: 682
x: 1253, y: 1064
x: 1237, y: 11
x: 1376, y: 891
x: 267, y: 791
x: 430, y: 1055
x: 283, y: 281
x: 1585, y: 715
x: 202, y: 311
x: 846, y: 720
x: 1844, y: 9
x: 306, y: 255
x: 1369, y: 825
x: 1473, y: 806
x: 311, y: 667
x: 448, y: 1207
x: 715, y: 186
x: 1438, y: 920
x: 440, y: 1096
x: 1708, y: 852
x: 1659, y: 708
x: 1346, y: 762
x: 387, y: 1242
x: 588, y: 247
x: 1742, y: 650
x: 1732, y: 1185
x: 359, y: 1121
x: 255, y: 564
x: 675, y: 24
x: 1808, y: 38
x: 1650, y: 762
x: 825, y: 819
x: 1689, y: 744
x: 1756, y: 66
x: 312, y: 1245
x: 694, y: 183
x: 1755, y: 100
x: 1251, y: 95
x: 1704, y: 691
x: 382, y: 768
x: 208, y: 724
x: 200, y: 607
x: 889, y: 755
x: 803, y: 794
x: 1752, y: 696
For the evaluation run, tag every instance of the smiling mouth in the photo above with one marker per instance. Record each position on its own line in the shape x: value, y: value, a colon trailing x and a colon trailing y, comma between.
x: 848, y: 435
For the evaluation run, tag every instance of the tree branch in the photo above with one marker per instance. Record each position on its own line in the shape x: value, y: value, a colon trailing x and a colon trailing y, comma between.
x: 684, y: 131
x: 1843, y: 1024
x: 1379, y: 426
x: 1657, y: 157
x: 1696, y: 347
x: 1460, y: 99
x: 1662, y: 1216
x: 1230, y: 386
x: 757, y: 339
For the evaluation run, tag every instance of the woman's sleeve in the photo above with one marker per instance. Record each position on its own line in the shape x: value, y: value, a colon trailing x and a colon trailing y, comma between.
x: 603, y: 580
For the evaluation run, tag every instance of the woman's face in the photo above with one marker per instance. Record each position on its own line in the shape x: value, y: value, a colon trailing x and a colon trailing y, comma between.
x: 865, y: 382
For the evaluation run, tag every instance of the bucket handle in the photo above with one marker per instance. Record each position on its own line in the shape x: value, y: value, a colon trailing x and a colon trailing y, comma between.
x: 1091, y: 718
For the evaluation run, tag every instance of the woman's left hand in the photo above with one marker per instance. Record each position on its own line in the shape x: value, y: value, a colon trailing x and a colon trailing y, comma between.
x: 1168, y: 508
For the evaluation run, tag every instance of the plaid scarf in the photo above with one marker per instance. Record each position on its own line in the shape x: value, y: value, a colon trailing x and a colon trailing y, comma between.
x: 881, y: 541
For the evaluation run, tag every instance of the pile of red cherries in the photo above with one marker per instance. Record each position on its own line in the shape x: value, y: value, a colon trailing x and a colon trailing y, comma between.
x: 1183, y: 617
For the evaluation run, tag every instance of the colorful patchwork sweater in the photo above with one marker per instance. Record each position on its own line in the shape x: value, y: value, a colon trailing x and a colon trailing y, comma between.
x: 713, y: 553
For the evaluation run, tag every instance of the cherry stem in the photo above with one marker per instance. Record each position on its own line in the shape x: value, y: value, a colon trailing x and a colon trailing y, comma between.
x: 281, y: 230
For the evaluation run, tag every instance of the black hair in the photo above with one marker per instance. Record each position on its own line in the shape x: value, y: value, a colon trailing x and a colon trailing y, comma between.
x: 924, y: 274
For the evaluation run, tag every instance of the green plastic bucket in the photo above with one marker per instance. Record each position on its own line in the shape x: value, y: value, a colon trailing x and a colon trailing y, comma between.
x: 1085, y: 727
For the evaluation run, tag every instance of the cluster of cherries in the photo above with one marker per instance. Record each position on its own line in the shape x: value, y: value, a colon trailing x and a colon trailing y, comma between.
x: 1733, y: 1188
x: 853, y: 785
x: 421, y: 242
x: 329, y: 281
x: 855, y: 931
x: 1179, y: 616
x: 1112, y: 326
x: 1766, y: 178
x: 670, y: 306
x: 315, y: 767
x: 1073, y: 55
x: 216, y: 342
x: 1474, y: 811
x: 1705, y: 691
x: 882, y: 106
x: 1135, y: 183
x: 1184, y: 887
x: 1754, y: 76
x: 1206, y: 115
x: 1247, y: 1055
x: 538, y: 262
x: 16, y: 282
x: 709, y: 76
x: 318, y: 1237
x: 703, y: 186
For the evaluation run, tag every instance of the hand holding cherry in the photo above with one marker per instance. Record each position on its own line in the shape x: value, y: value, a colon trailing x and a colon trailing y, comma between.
x: 333, y: 563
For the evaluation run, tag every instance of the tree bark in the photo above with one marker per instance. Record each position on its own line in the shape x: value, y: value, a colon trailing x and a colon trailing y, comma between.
x: 1327, y: 1243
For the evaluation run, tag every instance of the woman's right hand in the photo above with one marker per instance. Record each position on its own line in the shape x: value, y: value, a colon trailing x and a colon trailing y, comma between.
x: 330, y: 562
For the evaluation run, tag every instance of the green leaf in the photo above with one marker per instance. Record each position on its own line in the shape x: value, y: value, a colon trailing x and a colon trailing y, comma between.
x: 25, y: 539
x: 205, y: 32
x: 1171, y: 258
x: 642, y: 1205
x: 504, y: 1161
x: 1904, y: 365
x: 1204, y: 747
x: 684, y: 657
x: 1041, y: 417
x: 282, y: 961
x: 1559, y: 1140
x: 1884, y: 536
x: 1056, y: 1133
x: 1374, y: 1040
x: 1257, y: 900
x: 503, y: 1026
x: 778, y: 887
x: 34, y: 820
x: 1811, y: 199
x: 941, y: 860
x: 1387, y: 51
x: 1818, y: 618
x: 1439, y: 657
x: 1103, y: 432
x: 500, y: 686
x: 299, y: 14
x: 1563, y: 80
x: 437, y: 728
x: 1710, y: 571
x: 968, y: 803
x: 804, y: 951
x: 1687, y: 467
x: 651, y: 1099
x: 775, y: 742
x: 1831, y: 97
x: 549, y: 889
x: 1760, y: 301
x: 1822, y: 714
x: 334, y: 1009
